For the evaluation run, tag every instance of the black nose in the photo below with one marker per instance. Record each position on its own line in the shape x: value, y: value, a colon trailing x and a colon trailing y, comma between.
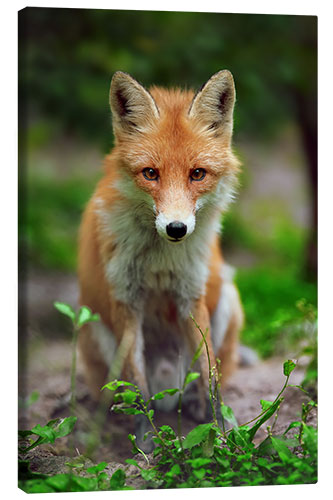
x: 176, y: 229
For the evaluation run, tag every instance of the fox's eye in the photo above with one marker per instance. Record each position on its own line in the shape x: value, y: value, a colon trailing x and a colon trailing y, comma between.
x: 150, y: 174
x: 198, y: 174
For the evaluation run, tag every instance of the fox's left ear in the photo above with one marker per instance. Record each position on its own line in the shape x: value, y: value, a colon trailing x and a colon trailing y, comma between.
x: 213, y: 105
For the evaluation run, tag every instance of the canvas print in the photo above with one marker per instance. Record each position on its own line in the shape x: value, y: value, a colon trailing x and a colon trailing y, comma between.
x: 167, y: 250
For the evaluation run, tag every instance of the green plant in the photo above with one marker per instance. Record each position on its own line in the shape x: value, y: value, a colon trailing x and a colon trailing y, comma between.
x: 97, y: 480
x: 212, y: 456
x: 48, y: 433
x: 81, y: 317
x: 32, y: 482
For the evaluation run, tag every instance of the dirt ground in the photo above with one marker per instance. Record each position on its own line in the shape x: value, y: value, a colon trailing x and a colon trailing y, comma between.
x: 47, y: 356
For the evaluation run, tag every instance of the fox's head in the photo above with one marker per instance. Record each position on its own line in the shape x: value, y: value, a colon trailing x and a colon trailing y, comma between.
x: 174, y: 149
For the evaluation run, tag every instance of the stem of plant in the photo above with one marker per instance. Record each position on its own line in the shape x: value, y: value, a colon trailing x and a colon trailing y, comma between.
x: 179, y: 418
x: 276, y: 415
x: 157, y: 434
x: 73, y: 371
x: 210, y: 372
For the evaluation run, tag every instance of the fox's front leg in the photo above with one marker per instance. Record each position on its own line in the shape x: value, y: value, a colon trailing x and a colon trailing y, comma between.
x: 130, y: 361
x: 194, y: 336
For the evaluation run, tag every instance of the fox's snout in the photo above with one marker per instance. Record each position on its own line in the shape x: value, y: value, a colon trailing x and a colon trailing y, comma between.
x: 175, y: 228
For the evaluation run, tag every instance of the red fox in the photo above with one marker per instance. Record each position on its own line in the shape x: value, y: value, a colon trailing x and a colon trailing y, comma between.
x: 149, y: 252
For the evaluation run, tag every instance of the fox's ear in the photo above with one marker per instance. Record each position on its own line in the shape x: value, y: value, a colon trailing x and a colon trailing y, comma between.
x: 133, y: 108
x: 213, y: 105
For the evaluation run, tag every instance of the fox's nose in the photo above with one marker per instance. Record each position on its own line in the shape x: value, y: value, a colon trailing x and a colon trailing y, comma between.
x: 176, y: 229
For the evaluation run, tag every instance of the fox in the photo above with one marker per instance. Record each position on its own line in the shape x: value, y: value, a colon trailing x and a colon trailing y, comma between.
x: 149, y: 245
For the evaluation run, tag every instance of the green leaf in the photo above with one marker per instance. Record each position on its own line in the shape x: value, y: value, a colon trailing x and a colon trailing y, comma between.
x: 59, y: 482
x: 240, y: 437
x: 266, y: 404
x: 162, y: 394
x: 36, y: 486
x: 208, y: 444
x: 196, y: 463
x: 54, y: 422
x: 228, y: 414
x: 190, y: 377
x: 115, y: 384
x: 310, y: 439
x: 197, y: 435
x: 262, y: 462
x: 85, y: 315
x: 288, y: 367
x: 55, y: 428
x: 283, y: 451
x: 131, y: 461
x: 65, y: 309
x: 168, y: 431
x: 127, y: 396
x: 103, y: 481
x: 292, y: 425
x: 175, y: 470
x: 97, y: 468
x: 132, y: 439
x: 148, y: 474
x: 151, y: 413
x: 65, y: 427
x: 83, y: 483
x: 76, y: 463
x: 117, y: 480
x: 199, y: 473
x: 224, y: 462
x: 126, y: 410
x: 47, y: 433
x: 264, y: 418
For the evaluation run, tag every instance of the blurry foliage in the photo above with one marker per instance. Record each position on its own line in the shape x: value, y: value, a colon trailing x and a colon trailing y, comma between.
x: 67, y: 58
x: 272, y: 287
x: 270, y: 296
x: 52, y: 212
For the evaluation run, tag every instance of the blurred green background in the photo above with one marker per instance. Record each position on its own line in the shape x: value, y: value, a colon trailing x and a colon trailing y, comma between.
x: 66, y: 60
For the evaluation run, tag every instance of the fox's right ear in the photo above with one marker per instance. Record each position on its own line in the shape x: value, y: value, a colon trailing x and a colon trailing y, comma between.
x: 213, y: 105
x: 133, y: 108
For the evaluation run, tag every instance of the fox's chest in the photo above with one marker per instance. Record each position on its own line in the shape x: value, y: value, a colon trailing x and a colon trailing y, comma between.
x: 137, y: 278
